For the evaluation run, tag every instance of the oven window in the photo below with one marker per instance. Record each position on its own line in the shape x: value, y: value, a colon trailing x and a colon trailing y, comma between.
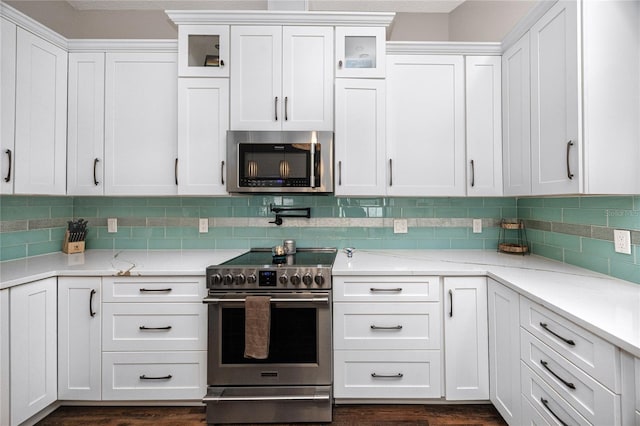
x: 293, y: 336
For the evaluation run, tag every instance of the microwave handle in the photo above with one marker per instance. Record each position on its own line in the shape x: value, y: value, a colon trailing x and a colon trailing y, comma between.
x: 312, y: 173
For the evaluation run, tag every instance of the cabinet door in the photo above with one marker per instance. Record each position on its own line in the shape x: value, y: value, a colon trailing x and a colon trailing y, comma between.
x: 8, y: 108
x: 504, y: 351
x: 555, y: 147
x: 4, y: 357
x: 141, y: 97
x: 307, y: 78
x: 466, y: 338
x: 41, y: 116
x: 79, y: 338
x: 360, y: 137
x: 203, y: 121
x: 33, y: 335
x: 360, y: 52
x: 516, y: 119
x: 256, y: 78
x: 425, y: 125
x: 203, y: 50
x: 85, y: 152
x: 484, y: 134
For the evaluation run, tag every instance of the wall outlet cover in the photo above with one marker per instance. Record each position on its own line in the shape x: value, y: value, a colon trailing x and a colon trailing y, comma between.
x: 400, y: 226
x: 112, y: 224
x: 203, y: 225
x: 477, y: 226
x: 622, y: 241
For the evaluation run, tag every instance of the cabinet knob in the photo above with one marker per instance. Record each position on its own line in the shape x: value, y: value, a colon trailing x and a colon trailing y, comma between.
x: 340, y: 63
x: 221, y: 63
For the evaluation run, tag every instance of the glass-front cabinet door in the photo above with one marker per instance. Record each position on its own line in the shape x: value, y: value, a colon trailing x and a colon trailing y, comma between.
x: 360, y: 52
x: 203, y: 51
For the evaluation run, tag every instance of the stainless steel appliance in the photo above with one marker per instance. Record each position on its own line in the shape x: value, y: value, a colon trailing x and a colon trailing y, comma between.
x: 282, y: 162
x: 293, y: 384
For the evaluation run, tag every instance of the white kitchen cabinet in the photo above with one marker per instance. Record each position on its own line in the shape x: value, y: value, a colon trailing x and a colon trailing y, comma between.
x: 79, y: 338
x: 85, y: 139
x: 466, y: 340
x: 637, y: 390
x: 516, y: 119
x: 141, y: 123
x: 4, y: 357
x: 40, y: 116
x: 281, y: 78
x: 425, y: 125
x: 483, y: 121
x: 360, y: 52
x: 360, y: 156
x: 504, y: 351
x: 203, y: 121
x: 203, y: 50
x: 33, y: 334
x: 8, y: 108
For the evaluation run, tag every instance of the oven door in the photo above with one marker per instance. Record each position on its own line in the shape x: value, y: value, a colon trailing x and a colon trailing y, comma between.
x: 299, y: 346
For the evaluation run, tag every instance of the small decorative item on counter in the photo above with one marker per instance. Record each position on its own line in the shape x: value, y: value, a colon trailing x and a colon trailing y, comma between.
x: 509, y: 244
x: 279, y: 254
x: 74, y: 237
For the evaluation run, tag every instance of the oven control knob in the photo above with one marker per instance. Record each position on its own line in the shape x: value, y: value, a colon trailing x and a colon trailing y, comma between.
x: 283, y: 279
x: 319, y: 279
x: 306, y: 279
x: 216, y: 279
x: 228, y: 279
x: 240, y: 279
x: 295, y: 279
x: 251, y: 279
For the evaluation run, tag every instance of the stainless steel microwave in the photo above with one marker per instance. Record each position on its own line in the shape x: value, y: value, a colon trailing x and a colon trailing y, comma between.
x: 280, y: 162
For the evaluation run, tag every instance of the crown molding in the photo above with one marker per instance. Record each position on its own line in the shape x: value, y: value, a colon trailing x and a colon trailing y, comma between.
x: 442, y: 48
x: 274, y: 17
x: 122, y: 45
x: 32, y: 25
x: 526, y: 23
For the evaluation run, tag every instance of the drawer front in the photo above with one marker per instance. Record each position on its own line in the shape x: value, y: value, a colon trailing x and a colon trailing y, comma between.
x: 387, y: 374
x: 548, y: 403
x: 386, y: 289
x: 386, y: 325
x: 153, y: 375
x: 154, y: 326
x: 530, y: 416
x: 596, y: 403
x: 598, y: 358
x: 153, y: 289
x: 637, y: 368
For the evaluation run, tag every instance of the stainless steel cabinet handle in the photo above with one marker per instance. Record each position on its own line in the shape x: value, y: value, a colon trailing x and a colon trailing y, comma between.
x: 545, y: 364
x: 91, y: 311
x: 316, y: 397
x: 339, y: 173
x: 273, y: 300
x: 340, y: 63
x: 450, y: 303
x: 567, y: 341
x: 286, y: 107
x: 395, y: 290
x: 145, y: 290
x: 390, y: 172
x: 546, y: 405
x: 387, y: 376
x: 175, y: 171
x: 222, y: 172
x: 380, y: 327
x: 95, y: 166
x: 145, y: 377
x: 569, y: 174
x: 275, y: 108
x: 473, y: 174
x: 8, y: 177
x: 144, y: 327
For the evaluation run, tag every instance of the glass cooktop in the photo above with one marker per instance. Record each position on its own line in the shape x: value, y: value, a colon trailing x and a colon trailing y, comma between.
x: 303, y: 257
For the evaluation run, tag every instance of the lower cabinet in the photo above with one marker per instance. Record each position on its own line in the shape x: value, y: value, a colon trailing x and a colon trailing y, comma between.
x: 637, y: 392
x: 4, y: 357
x: 33, y: 346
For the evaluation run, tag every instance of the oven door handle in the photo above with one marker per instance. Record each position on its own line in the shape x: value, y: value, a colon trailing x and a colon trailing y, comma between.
x: 273, y: 300
x: 322, y: 396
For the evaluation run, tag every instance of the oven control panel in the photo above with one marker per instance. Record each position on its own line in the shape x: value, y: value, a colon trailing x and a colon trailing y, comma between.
x: 268, y: 278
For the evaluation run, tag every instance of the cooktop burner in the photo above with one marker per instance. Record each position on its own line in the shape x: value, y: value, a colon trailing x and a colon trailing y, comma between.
x: 303, y: 257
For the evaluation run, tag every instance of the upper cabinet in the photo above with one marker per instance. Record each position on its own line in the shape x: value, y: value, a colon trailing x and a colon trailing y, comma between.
x: 203, y: 51
x: 8, y: 107
x: 360, y: 52
x: 281, y: 78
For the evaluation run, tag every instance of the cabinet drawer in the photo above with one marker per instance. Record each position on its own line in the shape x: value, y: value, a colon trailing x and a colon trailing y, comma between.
x: 386, y: 289
x: 153, y: 289
x: 596, y: 403
x: 598, y: 358
x: 547, y: 401
x: 387, y: 374
x: 530, y: 416
x: 154, y: 326
x: 153, y: 375
x: 386, y: 325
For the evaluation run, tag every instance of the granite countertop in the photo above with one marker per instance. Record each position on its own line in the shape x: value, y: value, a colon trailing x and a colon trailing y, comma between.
x: 606, y: 306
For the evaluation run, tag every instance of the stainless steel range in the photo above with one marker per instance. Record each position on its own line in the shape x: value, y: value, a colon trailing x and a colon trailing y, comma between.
x: 292, y: 383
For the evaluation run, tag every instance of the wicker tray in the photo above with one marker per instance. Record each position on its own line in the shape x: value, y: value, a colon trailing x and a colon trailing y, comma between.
x: 510, y: 225
x: 512, y: 248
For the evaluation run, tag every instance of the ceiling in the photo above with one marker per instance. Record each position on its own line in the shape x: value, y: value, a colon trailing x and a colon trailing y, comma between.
x: 410, y: 6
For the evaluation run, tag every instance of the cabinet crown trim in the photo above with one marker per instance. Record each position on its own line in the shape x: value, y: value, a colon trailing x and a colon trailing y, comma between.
x: 443, y: 48
x: 31, y: 25
x: 270, y: 17
x: 124, y: 45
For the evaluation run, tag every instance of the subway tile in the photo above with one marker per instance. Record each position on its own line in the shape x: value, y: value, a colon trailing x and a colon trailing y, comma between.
x: 100, y: 244
x: 200, y: 244
x: 585, y: 216
x: 234, y: 243
x: 198, y: 202
x: 570, y: 242
x: 625, y: 270
x: 129, y: 202
x: 549, y: 214
x: 181, y: 232
x: 164, y: 244
x: 399, y: 244
x: 433, y: 244
x: 606, y: 249
x: 588, y: 261
x: 44, y: 247
x: 252, y: 232
x: 537, y: 224
x: 13, y: 200
x: 470, y: 202
x: 451, y: 212
x: 132, y: 221
x: 48, y: 223
x: 451, y: 232
x: 13, y: 252
x: 572, y: 229
x: 509, y: 213
x: 500, y: 202
x: 629, y: 220
x: 547, y: 251
x: 605, y: 202
x: 93, y: 201
x: 144, y: 211
x: 467, y: 244
x: 146, y: 232
x: 217, y: 211
x: 562, y: 202
x: 182, y: 212
x: 530, y: 202
x: 50, y: 201
x: 485, y: 212
x: 131, y: 244
x: 120, y: 211
x: 85, y: 211
x: 367, y: 244
x: 23, y: 237
x: 164, y: 201
x: 14, y: 225
x: 602, y: 233
x: 19, y: 213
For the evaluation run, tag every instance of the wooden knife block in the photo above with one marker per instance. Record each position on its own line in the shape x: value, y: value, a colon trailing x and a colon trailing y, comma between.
x: 71, y: 247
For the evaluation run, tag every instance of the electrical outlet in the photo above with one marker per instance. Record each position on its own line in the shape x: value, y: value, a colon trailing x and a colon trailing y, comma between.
x: 112, y: 224
x: 400, y: 226
x: 203, y: 225
x: 622, y: 241
x: 477, y: 226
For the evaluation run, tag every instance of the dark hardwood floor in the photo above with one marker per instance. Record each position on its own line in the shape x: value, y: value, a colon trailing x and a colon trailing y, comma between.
x: 343, y: 415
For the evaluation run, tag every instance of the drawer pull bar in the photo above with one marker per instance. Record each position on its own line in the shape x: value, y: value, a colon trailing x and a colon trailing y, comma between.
x: 144, y: 327
x: 167, y: 377
x: 317, y: 397
x: 92, y: 313
x: 387, y: 376
x: 393, y: 290
x: 147, y: 290
x: 567, y: 341
x: 380, y: 327
x: 546, y: 405
x: 545, y: 364
x: 450, y: 303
